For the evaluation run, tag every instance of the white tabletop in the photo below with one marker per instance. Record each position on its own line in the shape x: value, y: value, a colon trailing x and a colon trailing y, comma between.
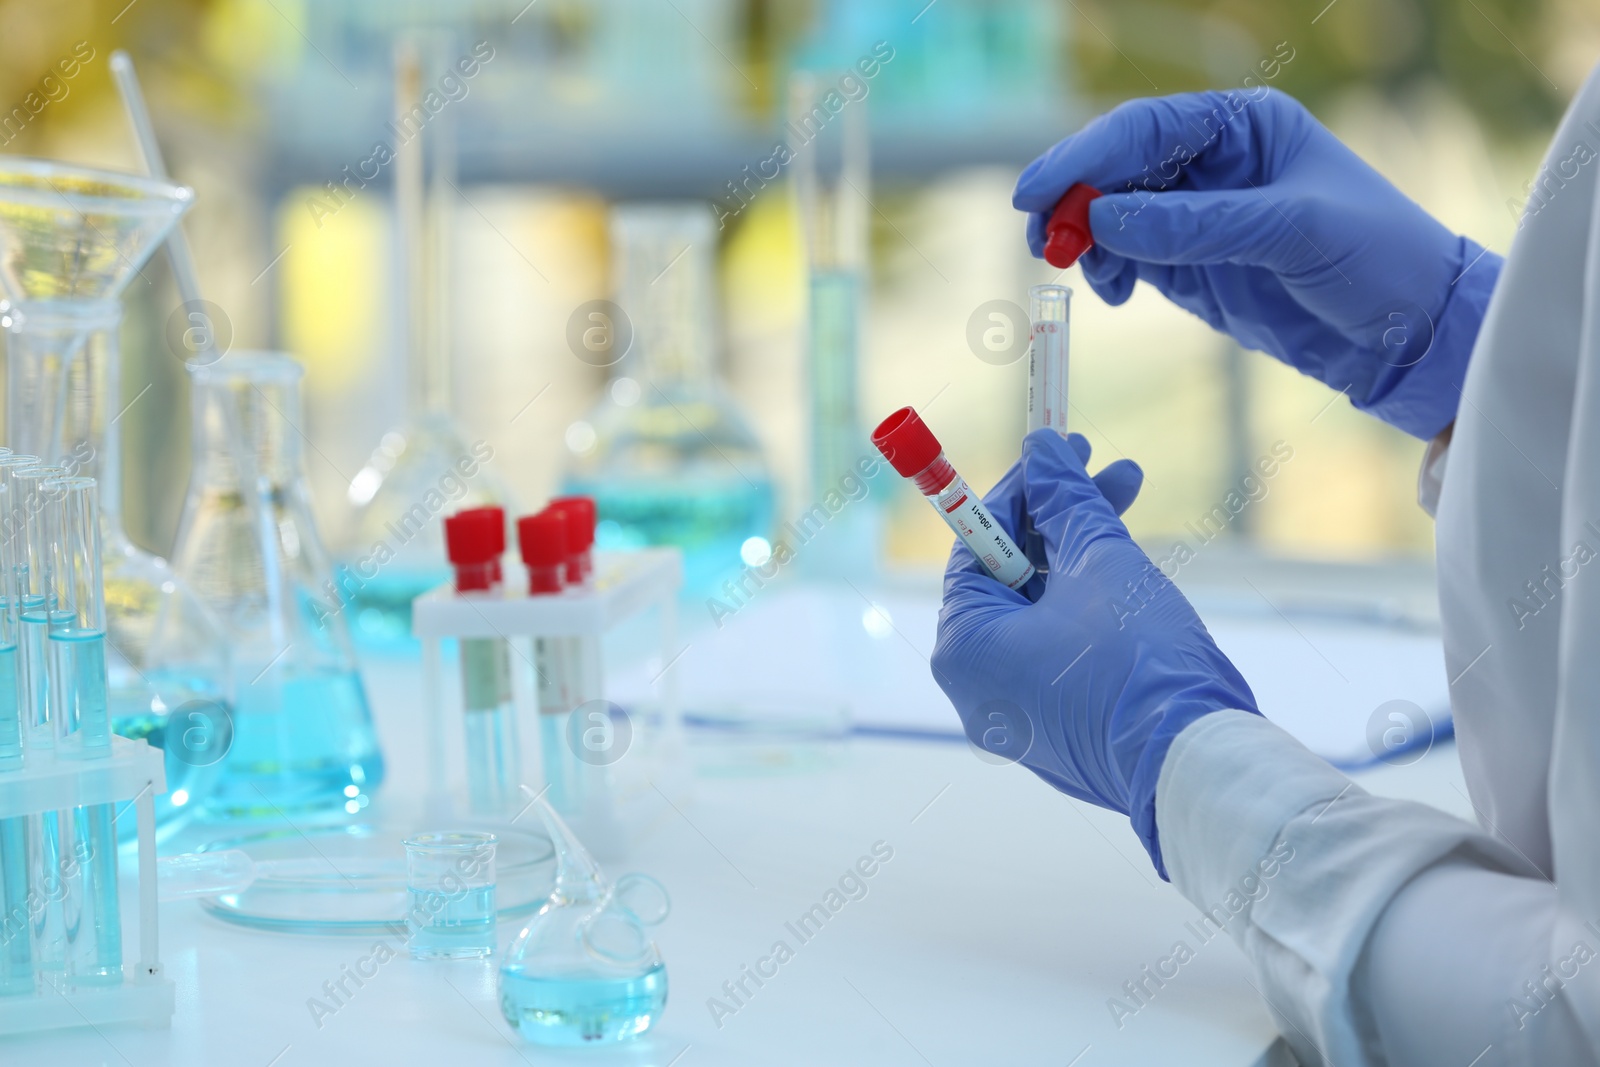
x: 1007, y: 918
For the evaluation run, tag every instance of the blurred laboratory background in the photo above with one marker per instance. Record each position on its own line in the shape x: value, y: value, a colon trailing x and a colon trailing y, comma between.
x: 543, y: 117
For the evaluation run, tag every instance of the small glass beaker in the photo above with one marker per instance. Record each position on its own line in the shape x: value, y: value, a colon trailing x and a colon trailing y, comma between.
x: 450, y: 877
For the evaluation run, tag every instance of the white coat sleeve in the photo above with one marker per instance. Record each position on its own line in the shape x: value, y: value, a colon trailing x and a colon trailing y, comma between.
x: 1301, y: 866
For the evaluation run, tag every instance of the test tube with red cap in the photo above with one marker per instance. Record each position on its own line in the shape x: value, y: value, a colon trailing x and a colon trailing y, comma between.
x: 583, y: 651
x: 475, y: 540
x: 581, y: 519
x: 913, y: 451
x: 542, y: 538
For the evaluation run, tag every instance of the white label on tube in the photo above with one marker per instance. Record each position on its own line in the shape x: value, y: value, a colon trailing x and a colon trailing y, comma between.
x: 979, y: 531
x: 1047, y: 377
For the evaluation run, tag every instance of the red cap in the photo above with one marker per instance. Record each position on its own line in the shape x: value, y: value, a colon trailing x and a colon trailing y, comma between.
x: 1067, y: 234
x: 474, y: 540
x: 581, y: 518
x: 580, y: 513
x: 543, y: 540
x: 906, y: 442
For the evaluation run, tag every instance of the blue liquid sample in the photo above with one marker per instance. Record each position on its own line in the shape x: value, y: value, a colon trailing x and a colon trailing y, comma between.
x: 180, y: 715
x: 16, y: 949
x: 83, y: 706
x: 10, y: 717
x: 494, y: 751
x: 452, y: 926
x: 96, y: 944
x: 35, y: 685
x: 560, y: 778
x: 581, y: 1009
x: 303, y: 744
x: 54, y: 874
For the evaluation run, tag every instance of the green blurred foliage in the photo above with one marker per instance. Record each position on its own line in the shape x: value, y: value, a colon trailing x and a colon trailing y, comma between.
x: 1486, y: 52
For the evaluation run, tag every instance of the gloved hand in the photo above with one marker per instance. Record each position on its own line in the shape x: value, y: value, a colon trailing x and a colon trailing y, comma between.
x: 1088, y: 686
x: 1245, y: 210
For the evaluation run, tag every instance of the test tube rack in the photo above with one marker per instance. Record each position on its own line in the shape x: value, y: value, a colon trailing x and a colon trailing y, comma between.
x: 134, y: 773
x: 625, y: 585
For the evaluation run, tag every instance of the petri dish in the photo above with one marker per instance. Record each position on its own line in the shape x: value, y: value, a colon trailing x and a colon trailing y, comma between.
x: 352, y: 879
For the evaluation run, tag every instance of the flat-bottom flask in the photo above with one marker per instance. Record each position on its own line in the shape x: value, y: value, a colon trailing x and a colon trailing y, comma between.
x: 667, y: 456
x: 584, y: 970
x: 302, y: 736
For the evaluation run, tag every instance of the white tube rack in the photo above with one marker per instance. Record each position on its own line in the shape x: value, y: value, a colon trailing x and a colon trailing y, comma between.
x: 625, y: 585
x: 135, y: 773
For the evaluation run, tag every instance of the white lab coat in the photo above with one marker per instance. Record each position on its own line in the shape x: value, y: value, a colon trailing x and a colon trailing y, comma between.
x: 1393, y: 933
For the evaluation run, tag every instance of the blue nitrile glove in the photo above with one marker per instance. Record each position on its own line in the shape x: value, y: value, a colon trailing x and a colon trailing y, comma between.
x: 1245, y: 210
x: 1088, y: 686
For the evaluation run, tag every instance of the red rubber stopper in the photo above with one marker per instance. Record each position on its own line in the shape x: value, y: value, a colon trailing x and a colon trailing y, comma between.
x: 906, y: 442
x: 1067, y: 234
x: 581, y: 518
x: 542, y: 537
x: 475, y: 540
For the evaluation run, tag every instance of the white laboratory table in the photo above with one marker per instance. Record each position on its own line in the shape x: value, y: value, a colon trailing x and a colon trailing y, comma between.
x: 1005, y: 920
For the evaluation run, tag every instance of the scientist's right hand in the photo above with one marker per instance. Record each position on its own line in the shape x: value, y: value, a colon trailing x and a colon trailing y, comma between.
x: 1242, y: 208
x: 1088, y: 686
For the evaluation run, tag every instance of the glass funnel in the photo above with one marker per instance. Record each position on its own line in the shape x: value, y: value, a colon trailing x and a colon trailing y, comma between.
x: 70, y: 240
x: 667, y: 456
x: 303, y: 741
x: 584, y: 970
x: 426, y: 456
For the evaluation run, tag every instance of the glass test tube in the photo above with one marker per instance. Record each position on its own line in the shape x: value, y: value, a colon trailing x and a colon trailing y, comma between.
x: 543, y: 541
x: 54, y: 876
x: 475, y: 540
x: 34, y: 604
x: 1047, y: 358
x: 16, y: 951
x: 80, y: 714
x: 589, y: 740
x: 913, y: 451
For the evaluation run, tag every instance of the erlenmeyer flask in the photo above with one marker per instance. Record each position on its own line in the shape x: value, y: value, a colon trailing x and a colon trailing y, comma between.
x: 303, y: 740
x: 667, y: 455
x: 584, y: 970
x: 426, y: 455
x: 70, y: 239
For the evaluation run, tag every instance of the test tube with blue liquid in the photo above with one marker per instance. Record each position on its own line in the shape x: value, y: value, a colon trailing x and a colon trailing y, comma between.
x: 542, y: 538
x: 451, y: 880
x: 16, y: 951
x: 54, y: 875
x: 475, y: 540
x: 588, y: 740
x: 80, y: 713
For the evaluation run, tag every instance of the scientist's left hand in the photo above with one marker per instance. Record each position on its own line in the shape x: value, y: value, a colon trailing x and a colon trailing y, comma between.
x: 1088, y: 686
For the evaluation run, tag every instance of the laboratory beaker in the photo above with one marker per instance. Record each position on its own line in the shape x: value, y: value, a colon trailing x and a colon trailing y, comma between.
x: 70, y: 238
x: 667, y: 456
x: 583, y: 970
x: 450, y: 879
x: 427, y: 453
x: 302, y: 740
